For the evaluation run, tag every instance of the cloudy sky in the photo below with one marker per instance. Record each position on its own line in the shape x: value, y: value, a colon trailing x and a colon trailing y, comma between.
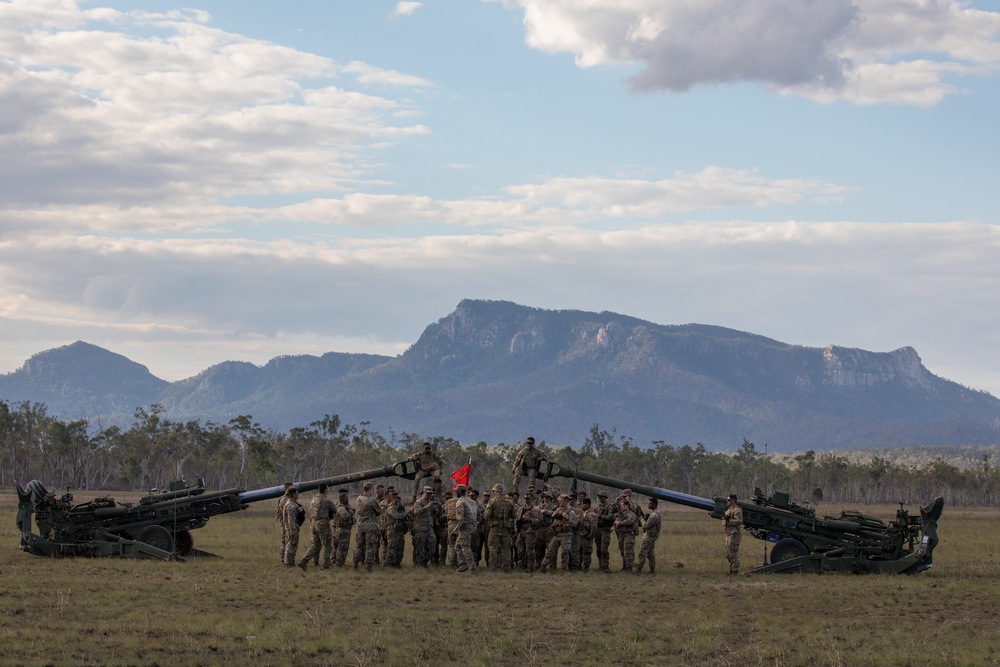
x: 190, y: 182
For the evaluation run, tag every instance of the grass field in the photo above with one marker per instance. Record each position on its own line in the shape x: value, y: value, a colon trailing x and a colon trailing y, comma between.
x: 245, y: 609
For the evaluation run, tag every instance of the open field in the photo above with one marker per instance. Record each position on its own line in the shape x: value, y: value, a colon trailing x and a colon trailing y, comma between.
x: 247, y: 610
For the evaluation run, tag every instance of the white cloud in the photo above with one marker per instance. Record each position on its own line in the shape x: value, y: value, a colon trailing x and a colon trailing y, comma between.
x: 863, y: 51
x: 406, y: 8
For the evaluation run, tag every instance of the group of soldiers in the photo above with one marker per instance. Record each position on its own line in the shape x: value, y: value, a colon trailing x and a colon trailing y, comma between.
x: 462, y: 528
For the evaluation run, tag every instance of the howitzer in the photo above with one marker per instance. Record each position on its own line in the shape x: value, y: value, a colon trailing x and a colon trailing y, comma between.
x: 804, y: 542
x: 158, y: 526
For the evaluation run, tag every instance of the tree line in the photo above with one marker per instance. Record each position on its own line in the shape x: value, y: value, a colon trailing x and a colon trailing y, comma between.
x: 155, y: 450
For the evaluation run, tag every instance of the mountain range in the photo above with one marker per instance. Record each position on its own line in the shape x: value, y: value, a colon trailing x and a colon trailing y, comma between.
x: 497, y: 371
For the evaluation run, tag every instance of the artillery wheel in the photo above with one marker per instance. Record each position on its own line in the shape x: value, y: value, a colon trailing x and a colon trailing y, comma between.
x: 787, y: 549
x: 157, y: 536
x: 184, y: 543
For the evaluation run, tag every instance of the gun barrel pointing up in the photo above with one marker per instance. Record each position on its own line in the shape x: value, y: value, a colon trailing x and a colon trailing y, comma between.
x: 707, y: 504
x: 406, y: 469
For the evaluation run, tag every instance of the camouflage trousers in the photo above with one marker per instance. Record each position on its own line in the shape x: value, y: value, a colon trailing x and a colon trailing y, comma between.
x: 366, y: 546
x: 574, y: 553
x: 518, y: 473
x: 604, y: 549
x: 441, y: 541
x: 291, y: 545
x: 342, y: 545
x: 500, y: 543
x: 563, y: 540
x: 542, y: 539
x: 586, y: 552
x: 452, y: 559
x: 526, y: 550
x: 424, y: 545
x: 626, y: 546
x: 647, y: 550
x: 733, y: 551
x: 394, y: 548
x: 322, y: 540
x: 463, y: 549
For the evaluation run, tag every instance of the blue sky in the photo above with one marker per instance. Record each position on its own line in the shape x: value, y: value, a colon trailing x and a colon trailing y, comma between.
x: 187, y: 183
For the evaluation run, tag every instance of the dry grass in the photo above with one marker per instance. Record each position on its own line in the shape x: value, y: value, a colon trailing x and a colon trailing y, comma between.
x: 245, y: 609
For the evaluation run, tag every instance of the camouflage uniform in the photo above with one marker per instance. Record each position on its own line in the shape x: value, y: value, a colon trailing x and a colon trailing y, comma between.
x: 321, y: 510
x: 449, y: 556
x: 500, y: 515
x: 279, y: 518
x: 430, y: 466
x: 588, y: 532
x: 732, y: 521
x: 467, y: 523
x: 563, y: 520
x: 367, y: 541
x: 651, y: 530
x: 545, y: 533
x: 605, y: 522
x: 627, y: 527
x: 422, y: 529
x: 529, y: 518
x: 526, y: 463
x: 440, y: 534
x: 396, y: 522
x: 343, y: 520
x: 291, y: 525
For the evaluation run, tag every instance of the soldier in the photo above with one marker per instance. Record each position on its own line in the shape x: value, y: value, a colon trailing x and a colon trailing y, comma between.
x: 342, y: 521
x: 294, y: 516
x: 422, y: 528
x: 368, y: 514
x: 732, y: 521
x: 279, y: 518
x: 627, y: 527
x: 500, y: 515
x: 430, y: 466
x: 574, y: 553
x: 484, y: 535
x: 563, y: 520
x: 396, y: 522
x: 451, y: 513
x: 588, y: 532
x: 477, y: 535
x: 441, y: 528
x: 605, y: 522
x: 382, y: 502
x: 527, y: 522
x: 651, y: 528
x: 321, y: 510
x: 467, y: 517
x: 544, y: 533
x: 526, y: 462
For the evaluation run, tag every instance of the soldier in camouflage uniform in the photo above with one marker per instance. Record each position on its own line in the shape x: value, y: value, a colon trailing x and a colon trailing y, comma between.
x: 627, y: 527
x: 588, y: 531
x: 574, y: 553
x: 545, y: 533
x: 321, y: 510
x: 732, y: 521
x: 651, y: 530
x: 563, y: 520
x: 343, y: 519
x: 291, y: 523
x: 430, y: 466
x: 467, y: 518
x: 526, y: 463
x: 279, y: 518
x: 451, y: 513
x: 477, y: 534
x: 606, y: 514
x: 484, y: 531
x: 397, y: 524
x: 368, y: 514
x: 528, y: 520
x: 422, y: 528
x: 380, y: 544
x: 500, y: 515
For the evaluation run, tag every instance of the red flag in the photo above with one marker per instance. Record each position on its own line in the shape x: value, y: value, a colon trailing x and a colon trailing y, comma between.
x: 461, y: 476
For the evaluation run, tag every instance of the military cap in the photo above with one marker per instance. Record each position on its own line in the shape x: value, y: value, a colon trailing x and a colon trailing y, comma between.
x: 627, y: 492
x: 546, y: 494
x: 366, y: 485
x: 602, y: 494
x: 342, y: 490
x: 512, y: 494
x: 428, y: 489
x: 461, y: 487
x: 498, y: 488
x: 563, y: 496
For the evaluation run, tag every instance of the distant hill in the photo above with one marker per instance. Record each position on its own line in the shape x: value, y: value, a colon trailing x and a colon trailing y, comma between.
x: 497, y: 371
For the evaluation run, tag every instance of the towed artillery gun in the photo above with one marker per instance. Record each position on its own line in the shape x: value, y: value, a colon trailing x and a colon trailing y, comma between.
x: 158, y: 526
x: 803, y: 542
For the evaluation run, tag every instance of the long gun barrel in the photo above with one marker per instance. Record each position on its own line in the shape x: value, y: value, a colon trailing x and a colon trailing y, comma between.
x: 404, y: 469
x: 555, y: 470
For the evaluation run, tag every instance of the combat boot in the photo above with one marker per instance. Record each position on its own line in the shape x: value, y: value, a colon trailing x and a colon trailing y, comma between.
x: 368, y: 567
x: 304, y: 564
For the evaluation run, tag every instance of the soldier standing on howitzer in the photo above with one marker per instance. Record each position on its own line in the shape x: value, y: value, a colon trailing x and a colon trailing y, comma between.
x: 430, y: 466
x: 500, y: 515
x: 651, y: 528
x: 563, y: 519
x: 527, y: 523
x: 342, y: 522
x: 321, y: 510
x: 422, y: 527
x: 588, y: 531
x: 397, y: 523
x: 606, y: 513
x: 279, y: 518
x: 732, y: 521
x: 367, y: 541
x: 627, y: 527
x: 526, y: 463
x: 467, y: 514
x: 295, y: 516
